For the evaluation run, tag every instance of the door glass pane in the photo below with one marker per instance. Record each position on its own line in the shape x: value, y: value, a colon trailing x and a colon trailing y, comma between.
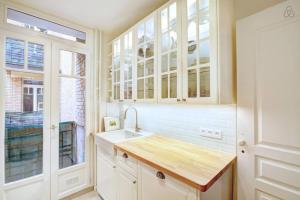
x: 173, y: 61
x: 192, y: 55
x: 204, y: 52
x: 164, y: 86
x: 164, y: 20
x: 204, y: 82
x: 149, y: 67
x: 23, y: 126
x: 14, y: 53
x: 140, y: 89
x: 72, y: 93
x: 173, y: 85
x: 149, y: 88
x: 35, y: 56
x: 164, y: 63
x: 192, y: 83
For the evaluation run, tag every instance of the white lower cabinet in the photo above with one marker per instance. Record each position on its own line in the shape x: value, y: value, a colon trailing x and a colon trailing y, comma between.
x: 107, y: 182
x: 156, y: 185
x: 127, y: 185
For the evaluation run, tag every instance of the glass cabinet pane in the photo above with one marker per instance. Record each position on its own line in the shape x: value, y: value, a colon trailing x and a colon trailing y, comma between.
x: 173, y: 85
x: 164, y: 86
x: 173, y: 39
x: 149, y: 30
x: 192, y: 55
x: 140, y: 53
x: 140, y: 69
x: 165, y: 42
x: 164, y: 63
x: 173, y: 61
x: 149, y: 50
x: 192, y: 31
x: 129, y: 93
x: 149, y: 88
x: 172, y: 15
x: 204, y: 52
x: 141, y: 33
x: 192, y: 83
x: 149, y: 67
x: 191, y: 8
x: 140, y: 89
x: 204, y: 77
x: 164, y: 20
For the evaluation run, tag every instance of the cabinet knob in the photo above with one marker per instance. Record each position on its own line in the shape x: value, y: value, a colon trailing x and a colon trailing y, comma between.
x: 160, y: 175
x: 114, y: 167
x: 134, y: 182
x: 125, y: 155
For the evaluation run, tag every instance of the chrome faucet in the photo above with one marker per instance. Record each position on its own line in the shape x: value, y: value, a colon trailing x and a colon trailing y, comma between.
x: 137, y: 129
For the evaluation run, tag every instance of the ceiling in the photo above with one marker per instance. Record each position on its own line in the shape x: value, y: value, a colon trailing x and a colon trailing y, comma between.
x: 111, y: 16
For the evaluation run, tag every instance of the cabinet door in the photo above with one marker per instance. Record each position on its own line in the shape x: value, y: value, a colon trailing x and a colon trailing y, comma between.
x: 127, y: 63
x: 151, y: 187
x: 169, y: 52
x: 116, y: 70
x: 107, y: 180
x: 200, y: 56
x: 127, y: 185
x: 146, y: 42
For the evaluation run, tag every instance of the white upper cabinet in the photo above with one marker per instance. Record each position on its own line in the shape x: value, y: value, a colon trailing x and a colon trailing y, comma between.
x: 184, y: 52
x: 169, y: 53
x: 200, y: 58
x: 146, y: 62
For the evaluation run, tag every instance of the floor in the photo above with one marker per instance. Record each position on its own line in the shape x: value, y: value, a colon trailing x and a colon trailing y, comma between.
x: 89, y: 196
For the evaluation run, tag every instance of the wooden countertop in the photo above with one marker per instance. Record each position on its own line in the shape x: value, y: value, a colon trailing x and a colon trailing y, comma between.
x: 194, y: 165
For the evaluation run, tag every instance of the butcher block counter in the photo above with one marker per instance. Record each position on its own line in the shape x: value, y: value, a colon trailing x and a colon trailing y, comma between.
x: 194, y: 165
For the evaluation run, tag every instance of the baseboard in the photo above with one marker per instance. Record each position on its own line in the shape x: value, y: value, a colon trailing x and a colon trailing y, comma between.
x: 77, y: 194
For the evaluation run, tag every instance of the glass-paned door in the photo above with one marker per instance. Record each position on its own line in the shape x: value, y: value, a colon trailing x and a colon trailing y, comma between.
x: 201, y: 44
x: 169, y: 72
x: 69, y: 107
x: 146, y: 51
x: 25, y: 133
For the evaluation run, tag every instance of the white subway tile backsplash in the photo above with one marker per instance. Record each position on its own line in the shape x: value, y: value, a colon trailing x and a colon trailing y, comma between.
x: 185, y: 122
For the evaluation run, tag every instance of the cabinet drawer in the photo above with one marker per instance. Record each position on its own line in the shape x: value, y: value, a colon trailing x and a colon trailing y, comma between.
x: 106, y: 150
x: 128, y: 163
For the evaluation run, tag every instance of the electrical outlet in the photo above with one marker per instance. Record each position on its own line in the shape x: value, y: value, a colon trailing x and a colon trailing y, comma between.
x: 211, y: 133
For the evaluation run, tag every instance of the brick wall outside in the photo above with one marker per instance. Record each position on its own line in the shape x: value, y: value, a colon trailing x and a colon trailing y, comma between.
x: 80, y: 90
x: 13, y: 93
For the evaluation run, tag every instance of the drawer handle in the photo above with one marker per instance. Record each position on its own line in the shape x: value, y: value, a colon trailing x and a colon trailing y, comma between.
x: 160, y: 175
x: 125, y: 155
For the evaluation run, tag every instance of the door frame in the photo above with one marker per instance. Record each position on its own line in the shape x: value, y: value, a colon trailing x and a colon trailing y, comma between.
x: 85, y: 166
x: 46, y: 129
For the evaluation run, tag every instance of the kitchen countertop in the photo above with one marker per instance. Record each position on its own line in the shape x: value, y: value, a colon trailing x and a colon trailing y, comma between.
x: 194, y: 165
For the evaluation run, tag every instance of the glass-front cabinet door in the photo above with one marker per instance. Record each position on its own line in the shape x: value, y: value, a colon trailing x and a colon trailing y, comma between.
x: 116, y: 70
x: 200, y: 57
x: 169, y: 53
x: 146, y: 42
x: 127, y: 63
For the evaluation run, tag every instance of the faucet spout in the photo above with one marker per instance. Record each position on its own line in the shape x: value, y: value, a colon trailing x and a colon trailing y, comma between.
x: 136, y: 117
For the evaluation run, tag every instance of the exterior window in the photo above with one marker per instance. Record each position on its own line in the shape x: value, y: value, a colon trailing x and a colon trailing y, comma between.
x: 32, y: 96
x: 21, y: 19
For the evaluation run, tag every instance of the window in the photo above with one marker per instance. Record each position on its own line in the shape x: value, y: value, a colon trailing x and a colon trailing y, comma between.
x: 32, y: 96
x: 15, y: 55
x: 21, y: 19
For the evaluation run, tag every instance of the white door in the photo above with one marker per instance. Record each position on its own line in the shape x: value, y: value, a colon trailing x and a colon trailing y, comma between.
x: 268, y: 104
x: 25, y: 117
x: 69, y: 121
